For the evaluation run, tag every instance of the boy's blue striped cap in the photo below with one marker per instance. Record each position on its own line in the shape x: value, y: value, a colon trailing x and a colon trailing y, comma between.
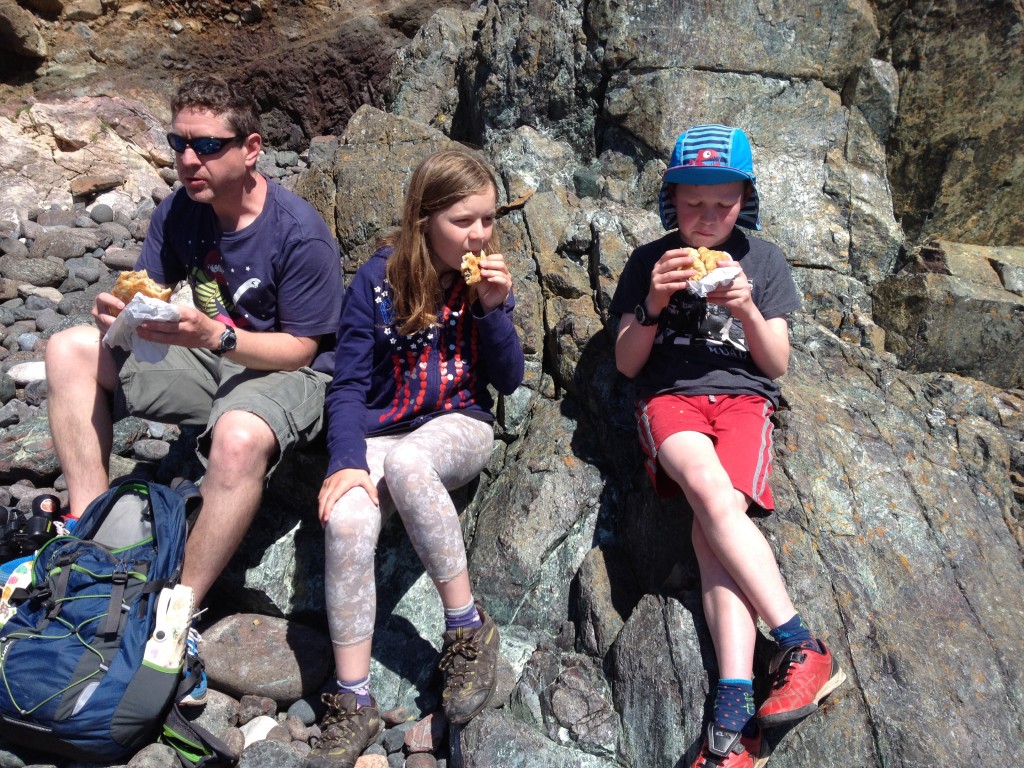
x: 711, y: 154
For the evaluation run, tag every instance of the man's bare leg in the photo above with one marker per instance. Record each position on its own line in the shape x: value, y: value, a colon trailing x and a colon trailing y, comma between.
x: 80, y: 376
x: 240, y: 453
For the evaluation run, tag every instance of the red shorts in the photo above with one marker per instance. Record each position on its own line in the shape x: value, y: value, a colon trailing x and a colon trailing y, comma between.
x: 739, y: 426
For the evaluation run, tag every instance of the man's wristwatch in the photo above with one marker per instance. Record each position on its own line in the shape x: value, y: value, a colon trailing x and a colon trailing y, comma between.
x: 641, y: 315
x: 228, y: 342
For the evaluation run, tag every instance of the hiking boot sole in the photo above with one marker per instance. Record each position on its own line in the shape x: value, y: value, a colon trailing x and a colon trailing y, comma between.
x: 837, y: 679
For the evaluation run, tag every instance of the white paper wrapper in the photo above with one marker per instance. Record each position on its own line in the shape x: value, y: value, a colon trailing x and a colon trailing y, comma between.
x: 715, y: 279
x: 123, y: 331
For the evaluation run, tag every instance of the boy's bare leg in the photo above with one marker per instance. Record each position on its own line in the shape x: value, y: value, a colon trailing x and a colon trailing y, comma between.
x: 689, y: 458
x: 240, y: 452
x: 80, y: 376
x: 730, y: 616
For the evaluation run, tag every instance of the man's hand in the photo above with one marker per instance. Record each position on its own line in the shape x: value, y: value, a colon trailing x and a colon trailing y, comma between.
x: 105, y: 310
x: 193, y: 329
x: 337, y: 485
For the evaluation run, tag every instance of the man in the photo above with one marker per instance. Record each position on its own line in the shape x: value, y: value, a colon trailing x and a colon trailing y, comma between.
x: 266, y: 278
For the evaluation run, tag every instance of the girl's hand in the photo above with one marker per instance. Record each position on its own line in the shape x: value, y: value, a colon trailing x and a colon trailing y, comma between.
x: 338, y: 484
x: 495, y: 282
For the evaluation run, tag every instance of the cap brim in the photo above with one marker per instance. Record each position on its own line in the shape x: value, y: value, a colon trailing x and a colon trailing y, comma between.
x: 689, y: 174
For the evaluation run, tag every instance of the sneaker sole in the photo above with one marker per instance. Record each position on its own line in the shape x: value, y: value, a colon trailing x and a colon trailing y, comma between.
x: 837, y: 679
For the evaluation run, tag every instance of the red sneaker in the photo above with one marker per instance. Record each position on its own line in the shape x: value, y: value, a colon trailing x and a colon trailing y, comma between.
x: 801, y: 677
x: 729, y: 749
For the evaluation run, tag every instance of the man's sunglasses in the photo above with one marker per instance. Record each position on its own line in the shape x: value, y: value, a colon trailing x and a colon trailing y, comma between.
x: 204, y: 145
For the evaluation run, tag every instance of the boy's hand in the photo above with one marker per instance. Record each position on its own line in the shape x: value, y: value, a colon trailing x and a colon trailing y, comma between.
x: 671, y: 273
x: 737, y: 295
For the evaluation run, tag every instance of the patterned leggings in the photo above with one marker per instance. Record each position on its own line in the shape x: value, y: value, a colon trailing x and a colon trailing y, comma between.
x: 413, y: 472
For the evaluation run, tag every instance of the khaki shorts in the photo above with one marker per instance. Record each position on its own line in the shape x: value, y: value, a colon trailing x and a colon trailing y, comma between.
x: 194, y: 387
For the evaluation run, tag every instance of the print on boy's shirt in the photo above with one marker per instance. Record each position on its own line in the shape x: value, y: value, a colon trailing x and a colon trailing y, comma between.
x: 448, y: 347
x: 210, y: 290
x: 690, y: 319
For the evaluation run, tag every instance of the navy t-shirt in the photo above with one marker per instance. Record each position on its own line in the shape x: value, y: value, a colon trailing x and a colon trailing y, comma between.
x: 700, y: 348
x: 280, y: 273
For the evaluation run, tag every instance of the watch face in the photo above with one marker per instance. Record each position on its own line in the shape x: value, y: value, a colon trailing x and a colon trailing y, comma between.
x: 228, y: 340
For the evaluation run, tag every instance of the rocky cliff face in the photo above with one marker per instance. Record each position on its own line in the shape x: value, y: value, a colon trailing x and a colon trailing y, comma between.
x: 887, y: 147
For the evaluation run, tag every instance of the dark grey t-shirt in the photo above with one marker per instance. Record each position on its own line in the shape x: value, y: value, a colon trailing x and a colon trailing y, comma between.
x: 700, y: 348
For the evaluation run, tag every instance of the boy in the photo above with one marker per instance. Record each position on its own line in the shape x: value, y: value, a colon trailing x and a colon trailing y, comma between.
x: 705, y: 370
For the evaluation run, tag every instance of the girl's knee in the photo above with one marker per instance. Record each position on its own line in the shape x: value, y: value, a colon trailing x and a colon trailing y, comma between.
x: 354, y: 521
x: 405, y: 459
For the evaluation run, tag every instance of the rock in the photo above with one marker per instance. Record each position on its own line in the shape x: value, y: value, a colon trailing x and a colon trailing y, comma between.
x: 18, y: 33
x: 265, y: 656
x: 269, y: 754
x: 154, y: 756
x: 43, y: 272
x: 922, y: 314
x: 251, y: 707
x: 428, y: 734
x: 90, y: 185
x: 257, y: 729
x: 25, y: 373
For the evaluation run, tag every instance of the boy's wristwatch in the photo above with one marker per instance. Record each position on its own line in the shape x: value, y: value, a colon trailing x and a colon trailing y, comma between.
x: 228, y: 341
x: 641, y: 315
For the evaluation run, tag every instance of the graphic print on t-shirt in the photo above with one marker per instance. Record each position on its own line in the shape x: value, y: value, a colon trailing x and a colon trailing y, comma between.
x: 690, y: 319
x: 211, y: 291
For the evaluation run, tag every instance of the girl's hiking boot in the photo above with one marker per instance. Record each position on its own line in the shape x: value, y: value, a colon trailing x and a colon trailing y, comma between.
x: 345, y: 731
x: 469, y: 662
x: 800, y: 678
x: 728, y: 749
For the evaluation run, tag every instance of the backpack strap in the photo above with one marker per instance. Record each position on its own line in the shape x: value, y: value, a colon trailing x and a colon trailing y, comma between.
x: 190, y: 492
x: 118, y: 582
x: 194, y: 745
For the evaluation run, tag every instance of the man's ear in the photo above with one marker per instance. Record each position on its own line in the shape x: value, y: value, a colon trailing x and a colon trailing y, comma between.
x: 253, y: 145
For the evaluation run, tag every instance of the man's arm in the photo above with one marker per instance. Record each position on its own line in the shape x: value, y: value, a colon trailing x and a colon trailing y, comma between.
x: 259, y: 350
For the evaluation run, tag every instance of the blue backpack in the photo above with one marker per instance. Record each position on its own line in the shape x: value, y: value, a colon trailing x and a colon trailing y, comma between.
x: 73, y: 679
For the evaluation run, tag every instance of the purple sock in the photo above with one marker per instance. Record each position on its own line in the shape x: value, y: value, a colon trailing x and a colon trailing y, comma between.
x: 361, y: 689
x: 466, y: 618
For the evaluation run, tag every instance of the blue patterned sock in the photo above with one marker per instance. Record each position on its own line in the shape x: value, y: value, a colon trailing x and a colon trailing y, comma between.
x: 795, y: 632
x: 466, y: 616
x: 734, y: 705
x: 361, y: 688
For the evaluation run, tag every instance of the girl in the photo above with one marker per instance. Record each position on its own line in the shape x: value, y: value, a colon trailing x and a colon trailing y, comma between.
x: 409, y: 418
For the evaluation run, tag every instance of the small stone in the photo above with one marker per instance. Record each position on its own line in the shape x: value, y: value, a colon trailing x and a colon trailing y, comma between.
x: 428, y: 734
x: 421, y: 760
x: 24, y: 373
x: 151, y: 450
x: 101, y: 213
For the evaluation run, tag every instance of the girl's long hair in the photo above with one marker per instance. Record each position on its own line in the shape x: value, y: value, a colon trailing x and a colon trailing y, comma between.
x: 438, y: 182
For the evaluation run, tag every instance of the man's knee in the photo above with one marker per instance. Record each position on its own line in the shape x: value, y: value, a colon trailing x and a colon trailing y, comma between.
x: 76, y: 358
x: 67, y: 350
x: 240, y: 438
